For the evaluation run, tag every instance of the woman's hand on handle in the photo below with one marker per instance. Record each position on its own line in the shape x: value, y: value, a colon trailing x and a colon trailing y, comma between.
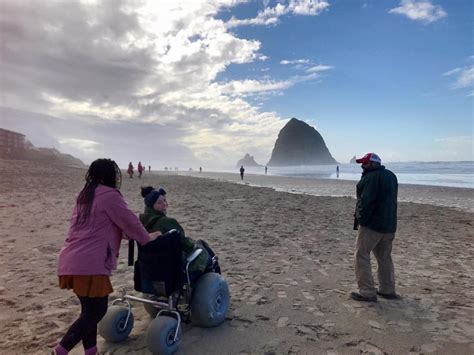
x: 154, y: 235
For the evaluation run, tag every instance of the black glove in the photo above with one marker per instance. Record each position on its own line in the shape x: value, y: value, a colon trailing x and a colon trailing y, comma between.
x: 356, y: 223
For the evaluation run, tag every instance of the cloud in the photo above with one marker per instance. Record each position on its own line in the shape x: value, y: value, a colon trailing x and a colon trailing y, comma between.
x: 253, y: 86
x: 81, y: 144
x: 294, y: 61
x: 453, y: 71
x: 319, y: 68
x: 311, y: 71
x: 140, y: 72
x: 307, y: 7
x: 137, y: 64
x: 269, y: 16
x: 464, y: 77
x: 456, y: 147
x: 459, y: 140
x: 423, y: 10
x: 121, y: 140
x: 106, y: 110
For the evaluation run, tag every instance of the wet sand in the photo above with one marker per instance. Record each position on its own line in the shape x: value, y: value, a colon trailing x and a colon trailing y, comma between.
x: 287, y: 259
x: 459, y: 198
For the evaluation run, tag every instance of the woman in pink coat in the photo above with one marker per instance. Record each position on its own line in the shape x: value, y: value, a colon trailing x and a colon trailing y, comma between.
x: 100, y: 219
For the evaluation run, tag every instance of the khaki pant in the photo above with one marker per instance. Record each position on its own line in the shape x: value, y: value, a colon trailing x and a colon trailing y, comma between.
x: 369, y: 240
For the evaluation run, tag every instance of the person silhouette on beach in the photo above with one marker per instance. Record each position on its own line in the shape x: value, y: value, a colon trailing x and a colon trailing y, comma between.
x: 140, y: 169
x: 376, y: 219
x: 337, y: 171
x: 130, y: 170
x: 149, y: 168
x: 99, y: 221
x: 200, y: 169
x: 266, y: 170
x: 242, y: 170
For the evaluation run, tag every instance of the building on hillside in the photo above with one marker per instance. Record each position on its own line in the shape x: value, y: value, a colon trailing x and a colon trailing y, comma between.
x: 12, y: 144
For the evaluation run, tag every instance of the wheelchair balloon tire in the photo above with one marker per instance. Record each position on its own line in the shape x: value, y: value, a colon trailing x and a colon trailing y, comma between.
x: 210, y: 300
x: 160, y: 335
x: 111, y: 327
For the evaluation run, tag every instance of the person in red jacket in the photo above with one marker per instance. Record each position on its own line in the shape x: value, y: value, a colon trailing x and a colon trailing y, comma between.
x: 140, y: 169
x: 99, y: 221
x: 130, y: 170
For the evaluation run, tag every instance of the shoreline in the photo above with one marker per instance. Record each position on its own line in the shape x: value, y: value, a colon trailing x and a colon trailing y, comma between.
x: 288, y: 260
x: 459, y: 198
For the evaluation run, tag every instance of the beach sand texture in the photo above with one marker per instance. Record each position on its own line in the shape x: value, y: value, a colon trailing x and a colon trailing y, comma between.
x: 288, y: 259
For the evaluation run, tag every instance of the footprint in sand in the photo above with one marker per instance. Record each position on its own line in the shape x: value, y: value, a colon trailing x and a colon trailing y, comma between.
x: 375, y: 324
x: 297, y: 304
x: 304, y: 330
x: 323, y: 272
x: 254, y: 298
x: 429, y: 348
x: 282, y: 294
x: 282, y: 322
x: 366, y: 347
x: 306, y: 280
x: 308, y: 295
x: 262, y: 317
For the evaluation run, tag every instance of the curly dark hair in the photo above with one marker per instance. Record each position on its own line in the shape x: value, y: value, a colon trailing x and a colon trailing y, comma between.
x: 101, y: 171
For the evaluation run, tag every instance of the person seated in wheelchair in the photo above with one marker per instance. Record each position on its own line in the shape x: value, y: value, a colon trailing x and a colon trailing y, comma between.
x: 180, y: 279
x: 161, y: 263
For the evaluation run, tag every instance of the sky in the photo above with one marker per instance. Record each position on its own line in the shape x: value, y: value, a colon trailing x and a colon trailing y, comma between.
x: 201, y: 83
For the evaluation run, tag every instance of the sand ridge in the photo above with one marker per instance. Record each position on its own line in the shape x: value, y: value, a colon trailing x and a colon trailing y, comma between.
x: 287, y: 258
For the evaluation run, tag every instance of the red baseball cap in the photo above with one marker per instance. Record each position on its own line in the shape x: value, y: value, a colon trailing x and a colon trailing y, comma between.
x: 369, y: 157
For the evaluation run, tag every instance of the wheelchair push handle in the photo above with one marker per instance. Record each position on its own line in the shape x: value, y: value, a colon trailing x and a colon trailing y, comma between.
x: 170, y: 232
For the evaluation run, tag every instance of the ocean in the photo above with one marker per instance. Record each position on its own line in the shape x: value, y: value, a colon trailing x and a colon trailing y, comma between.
x: 448, y: 174
x: 449, y: 184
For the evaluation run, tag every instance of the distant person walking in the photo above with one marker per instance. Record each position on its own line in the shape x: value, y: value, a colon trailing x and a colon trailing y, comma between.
x: 130, y: 170
x: 140, y: 169
x: 337, y: 171
x: 99, y: 221
x: 149, y: 168
x: 266, y: 170
x: 200, y: 169
x: 376, y: 219
x: 242, y: 170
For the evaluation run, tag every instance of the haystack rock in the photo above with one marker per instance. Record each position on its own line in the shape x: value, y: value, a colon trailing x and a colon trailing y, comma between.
x: 353, y: 160
x: 247, y: 160
x: 300, y: 144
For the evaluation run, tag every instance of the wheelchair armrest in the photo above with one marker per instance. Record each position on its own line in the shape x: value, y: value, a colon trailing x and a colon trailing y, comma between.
x: 172, y: 231
x: 193, y: 256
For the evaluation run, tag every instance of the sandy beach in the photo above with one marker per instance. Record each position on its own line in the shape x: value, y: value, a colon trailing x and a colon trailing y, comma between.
x: 288, y: 259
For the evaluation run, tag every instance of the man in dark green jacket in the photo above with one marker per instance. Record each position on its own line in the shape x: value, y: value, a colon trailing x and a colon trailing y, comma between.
x: 376, y: 219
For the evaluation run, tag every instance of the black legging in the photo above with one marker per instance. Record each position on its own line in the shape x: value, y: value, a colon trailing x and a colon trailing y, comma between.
x: 85, y: 327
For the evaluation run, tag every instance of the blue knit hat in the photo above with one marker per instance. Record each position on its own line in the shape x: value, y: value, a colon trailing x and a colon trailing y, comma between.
x: 151, y: 198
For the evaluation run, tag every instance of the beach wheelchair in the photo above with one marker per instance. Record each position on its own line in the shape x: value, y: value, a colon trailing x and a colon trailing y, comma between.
x: 171, y: 294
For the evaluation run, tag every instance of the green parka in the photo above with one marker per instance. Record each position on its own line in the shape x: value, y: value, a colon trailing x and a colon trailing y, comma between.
x: 154, y: 221
x: 376, y: 206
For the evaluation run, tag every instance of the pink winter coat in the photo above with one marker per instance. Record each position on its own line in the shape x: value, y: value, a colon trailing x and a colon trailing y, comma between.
x: 93, y: 247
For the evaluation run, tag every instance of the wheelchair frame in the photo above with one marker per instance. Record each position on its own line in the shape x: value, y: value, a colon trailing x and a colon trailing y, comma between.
x: 169, y: 308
